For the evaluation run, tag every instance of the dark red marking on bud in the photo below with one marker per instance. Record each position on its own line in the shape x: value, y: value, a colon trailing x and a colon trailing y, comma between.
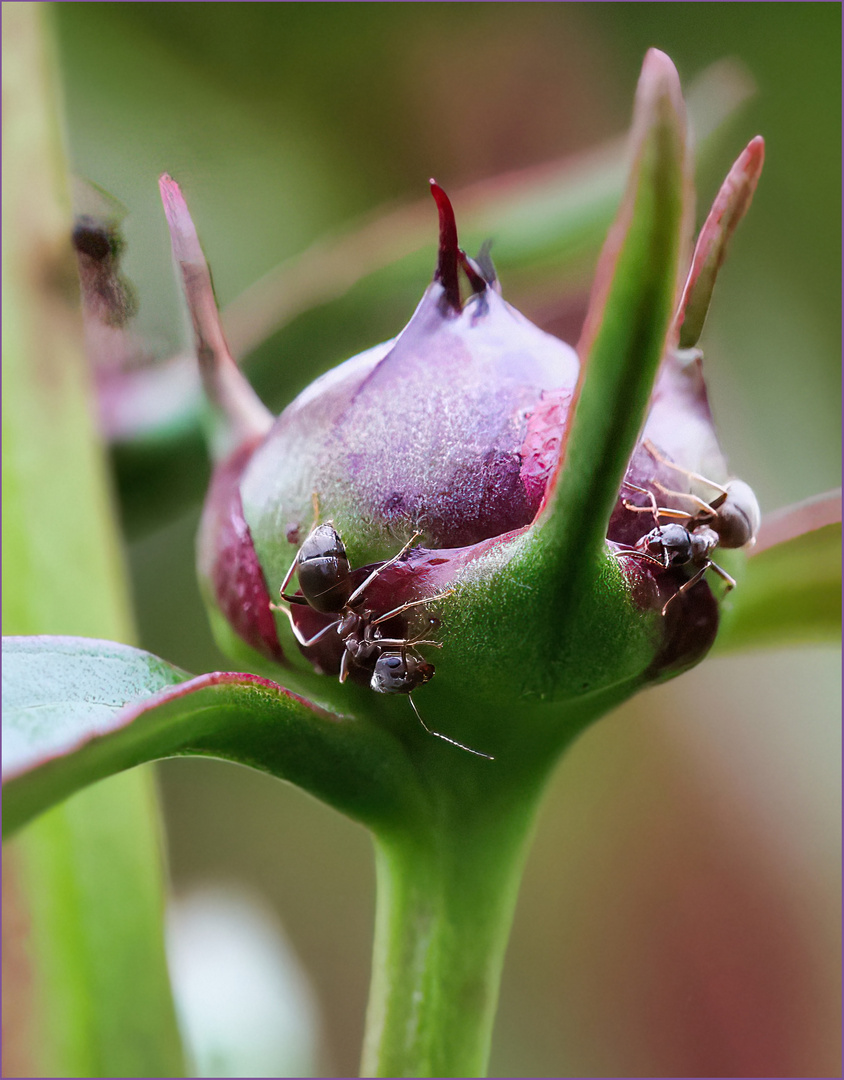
x: 448, y: 261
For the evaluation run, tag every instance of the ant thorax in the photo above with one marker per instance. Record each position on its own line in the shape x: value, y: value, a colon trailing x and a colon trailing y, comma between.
x: 356, y: 633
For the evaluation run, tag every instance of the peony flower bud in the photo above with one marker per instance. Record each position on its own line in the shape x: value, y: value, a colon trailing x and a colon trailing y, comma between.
x: 430, y: 463
x: 443, y: 431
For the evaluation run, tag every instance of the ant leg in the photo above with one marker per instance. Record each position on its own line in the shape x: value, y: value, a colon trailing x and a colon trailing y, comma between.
x: 639, y: 555
x: 657, y: 456
x: 397, y: 643
x: 693, y: 580
x: 639, y: 509
x: 702, y: 506
x: 289, y: 575
x: 380, y: 569
x: 730, y: 581
x: 661, y: 511
x: 445, y: 738
x: 413, y: 603
x: 300, y: 601
x: 287, y: 578
x: 642, y: 491
x: 304, y: 642
x: 344, y: 666
x: 657, y: 511
x: 403, y: 643
x: 653, y: 508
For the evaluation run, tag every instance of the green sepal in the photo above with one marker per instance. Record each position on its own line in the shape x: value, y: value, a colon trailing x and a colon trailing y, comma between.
x: 790, y: 594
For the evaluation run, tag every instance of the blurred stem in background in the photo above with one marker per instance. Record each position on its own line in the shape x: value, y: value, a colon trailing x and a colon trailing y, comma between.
x: 87, y: 991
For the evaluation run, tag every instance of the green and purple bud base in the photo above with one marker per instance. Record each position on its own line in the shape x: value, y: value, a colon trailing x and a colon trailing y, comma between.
x: 544, y: 552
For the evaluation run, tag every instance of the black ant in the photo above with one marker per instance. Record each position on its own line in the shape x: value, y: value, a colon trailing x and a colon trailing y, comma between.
x: 325, y: 582
x: 731, y: 520
x: 107, y: 294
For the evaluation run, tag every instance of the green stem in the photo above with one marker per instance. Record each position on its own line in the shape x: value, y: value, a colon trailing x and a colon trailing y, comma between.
x: 447, y: 889
x: 445, y: 906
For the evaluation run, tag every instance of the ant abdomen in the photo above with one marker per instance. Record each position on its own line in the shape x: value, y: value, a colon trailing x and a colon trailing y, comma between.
x: 323, y: 570
x: 738, y: 518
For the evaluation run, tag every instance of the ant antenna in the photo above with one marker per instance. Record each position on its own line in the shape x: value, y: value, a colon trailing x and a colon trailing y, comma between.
x: 306, y: 643
x: 445, y: 738
x: 412, y: 604
x: 361, y: 589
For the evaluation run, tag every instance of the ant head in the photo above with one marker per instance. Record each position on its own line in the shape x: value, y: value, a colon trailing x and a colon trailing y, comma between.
x: 399, y: 673
x: 323, y: 570
x: 738, y: 518
x: 670, y: 544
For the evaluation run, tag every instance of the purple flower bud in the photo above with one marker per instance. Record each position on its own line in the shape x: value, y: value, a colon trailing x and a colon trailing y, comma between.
x: 449, y: 430
x: 448, y: 440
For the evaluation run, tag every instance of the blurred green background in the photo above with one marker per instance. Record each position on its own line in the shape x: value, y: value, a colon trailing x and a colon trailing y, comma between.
x: 680, y: 914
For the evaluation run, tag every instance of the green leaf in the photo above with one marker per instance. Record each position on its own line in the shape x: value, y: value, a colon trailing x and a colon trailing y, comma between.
x: 791, y: 590
x: 60, y: 691
x: 77, y: 710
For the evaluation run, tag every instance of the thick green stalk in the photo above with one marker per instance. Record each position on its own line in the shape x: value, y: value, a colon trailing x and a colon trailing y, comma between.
x: 445, y: 906
x: 91, y: 987
x: 448, y: 884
